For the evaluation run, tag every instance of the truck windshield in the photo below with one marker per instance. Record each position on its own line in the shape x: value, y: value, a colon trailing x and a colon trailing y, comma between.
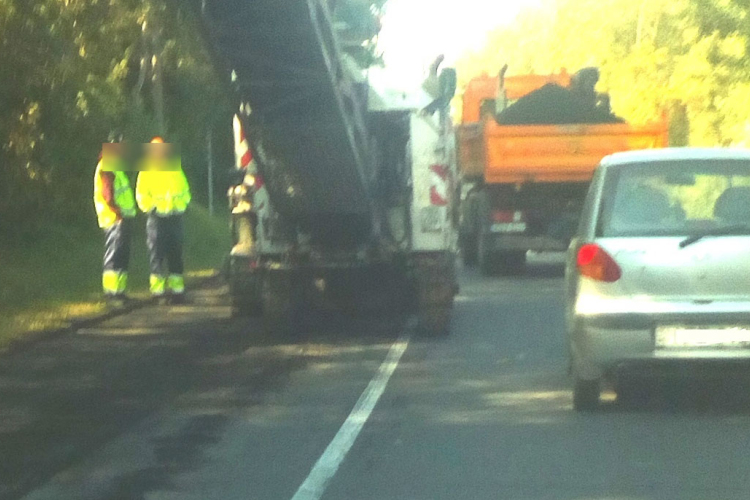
x: 680, y: 198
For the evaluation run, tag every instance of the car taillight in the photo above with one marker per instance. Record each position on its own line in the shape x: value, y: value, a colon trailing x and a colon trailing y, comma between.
x: 595, y: 263
x: 507, y: 216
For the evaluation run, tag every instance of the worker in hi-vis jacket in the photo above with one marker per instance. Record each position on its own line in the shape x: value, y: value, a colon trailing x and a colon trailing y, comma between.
x: 163, y: 193
x: 115, y: 210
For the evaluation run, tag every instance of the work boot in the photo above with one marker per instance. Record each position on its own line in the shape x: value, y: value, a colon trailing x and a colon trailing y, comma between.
x: 124, y: 298
x: 118, y: 300
x: 159, y: 299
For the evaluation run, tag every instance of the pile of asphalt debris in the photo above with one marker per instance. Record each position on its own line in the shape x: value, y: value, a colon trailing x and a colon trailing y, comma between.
x: 556, y: 105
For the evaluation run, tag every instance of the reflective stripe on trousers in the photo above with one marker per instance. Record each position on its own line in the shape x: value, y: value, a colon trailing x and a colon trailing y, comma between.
x: 164, y: 238
x: 176, y: 284
x: 157, y: 284
x: 117, y: 239
x: 114, y: 282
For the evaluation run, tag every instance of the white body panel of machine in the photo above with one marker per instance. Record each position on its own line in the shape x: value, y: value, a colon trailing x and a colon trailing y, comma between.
x: 432, y: 151
x: 434, y: 178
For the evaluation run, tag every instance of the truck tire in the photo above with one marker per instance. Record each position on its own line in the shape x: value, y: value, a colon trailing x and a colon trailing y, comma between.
x: 469, y: 250
x: 486, y: 258
x: 487, y: 265
x: 511, y: 263
x: 245, y: 306
x: 434, y: 321
x: 280, y: 303
x: 435, y: 287
x: 244, y: 289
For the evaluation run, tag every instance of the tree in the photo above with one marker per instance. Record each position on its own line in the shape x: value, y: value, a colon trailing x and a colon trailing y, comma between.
x: 72, y: 77
x: 687, y: 57
x: 359, y: 23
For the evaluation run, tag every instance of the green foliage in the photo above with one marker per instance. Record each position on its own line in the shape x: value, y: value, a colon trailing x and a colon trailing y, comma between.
x: 55, y: 274
x: 685, y: 57
x: 358, y: 23
x: 76, y: 73
x: 70, y: 81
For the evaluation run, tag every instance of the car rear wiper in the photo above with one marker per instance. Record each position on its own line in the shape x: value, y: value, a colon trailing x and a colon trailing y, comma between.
x: 720, y: 231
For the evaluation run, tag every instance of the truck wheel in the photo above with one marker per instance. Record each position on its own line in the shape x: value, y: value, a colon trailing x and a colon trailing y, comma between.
x: 486, y: 258
x: 244, y: 306
x: 469, y: 250
x: 435, y: 287
x: 586, y: 395
x: 434, y: 321
x: 279, y: 303
x: 511, y: 263
x: 487, y: 265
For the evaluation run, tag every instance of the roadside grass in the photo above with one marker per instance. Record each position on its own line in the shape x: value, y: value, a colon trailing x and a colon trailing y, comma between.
x: 55, y: 277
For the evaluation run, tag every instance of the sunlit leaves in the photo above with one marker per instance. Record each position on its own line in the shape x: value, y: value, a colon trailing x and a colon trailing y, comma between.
x: 687, y: 57
x: 68, y: 69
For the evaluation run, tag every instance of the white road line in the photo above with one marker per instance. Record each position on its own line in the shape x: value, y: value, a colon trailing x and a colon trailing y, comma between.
x: 325, y: 468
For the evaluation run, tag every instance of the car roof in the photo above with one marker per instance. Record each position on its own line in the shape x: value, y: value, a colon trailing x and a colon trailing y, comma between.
x: 675, y: 154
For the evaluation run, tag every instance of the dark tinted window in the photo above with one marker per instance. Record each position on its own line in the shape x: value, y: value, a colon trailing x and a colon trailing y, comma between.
x: 675, y: 198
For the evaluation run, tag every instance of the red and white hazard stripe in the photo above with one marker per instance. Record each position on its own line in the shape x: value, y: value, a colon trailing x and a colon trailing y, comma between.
x: 242, y: 153
x: 245, y: 161
x: 440, y: 182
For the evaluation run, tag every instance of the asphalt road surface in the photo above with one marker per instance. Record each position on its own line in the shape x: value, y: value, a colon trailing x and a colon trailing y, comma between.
x: 184, y: 403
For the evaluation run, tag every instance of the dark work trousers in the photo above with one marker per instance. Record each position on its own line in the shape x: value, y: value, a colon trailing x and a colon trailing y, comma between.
x: 117, y: 240
x: 164, y: 238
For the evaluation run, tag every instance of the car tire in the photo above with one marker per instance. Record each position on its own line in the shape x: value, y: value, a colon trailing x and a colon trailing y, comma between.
x: 633, y: 392
x: 586, y: 395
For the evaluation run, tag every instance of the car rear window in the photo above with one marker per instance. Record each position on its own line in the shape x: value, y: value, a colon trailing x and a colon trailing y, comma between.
x: 674, y: 198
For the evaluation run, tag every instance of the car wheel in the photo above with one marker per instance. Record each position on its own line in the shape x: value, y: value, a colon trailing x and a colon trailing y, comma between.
x: 632, y: 392
x: 586, y: 395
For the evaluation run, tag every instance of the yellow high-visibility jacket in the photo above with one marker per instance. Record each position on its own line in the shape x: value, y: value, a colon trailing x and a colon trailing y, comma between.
x: 113, y: 196
x: 165, y: 192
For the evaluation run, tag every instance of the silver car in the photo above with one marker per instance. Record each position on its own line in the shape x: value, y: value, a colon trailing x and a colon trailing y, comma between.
x: 658, y: 274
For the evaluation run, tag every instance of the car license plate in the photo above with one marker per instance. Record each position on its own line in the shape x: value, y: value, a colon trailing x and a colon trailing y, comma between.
x: 508, y: 227
x: 673, y: 336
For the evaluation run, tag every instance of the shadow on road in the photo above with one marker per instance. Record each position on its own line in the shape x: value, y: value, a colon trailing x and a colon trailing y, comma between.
x: 531, y: 271
x: 728, y: 395
x: 65, y: 398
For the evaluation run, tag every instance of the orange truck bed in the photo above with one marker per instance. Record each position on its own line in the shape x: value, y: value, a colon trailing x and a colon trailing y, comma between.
x: 547, y: 153
x: 540, y: 153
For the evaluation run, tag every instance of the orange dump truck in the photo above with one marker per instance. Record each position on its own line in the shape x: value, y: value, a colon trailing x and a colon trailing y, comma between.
x: 524, y: 185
